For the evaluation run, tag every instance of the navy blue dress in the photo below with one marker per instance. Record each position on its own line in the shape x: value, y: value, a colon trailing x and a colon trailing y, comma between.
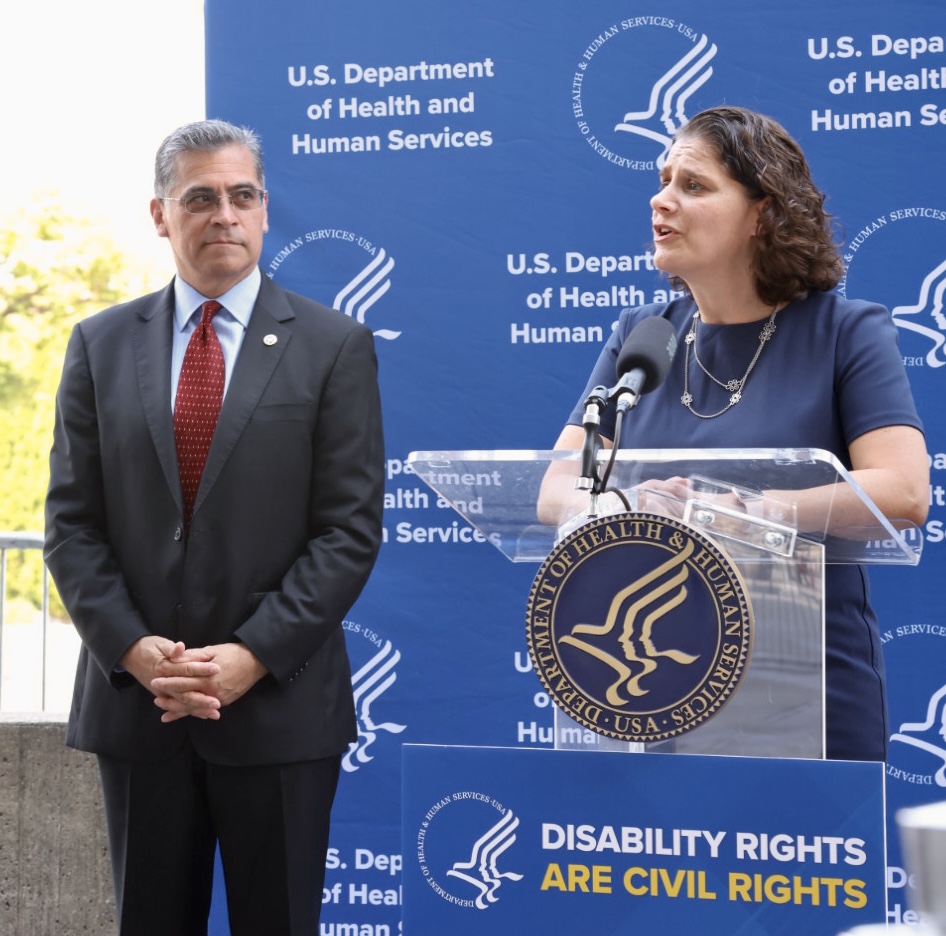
x: 830, y: 373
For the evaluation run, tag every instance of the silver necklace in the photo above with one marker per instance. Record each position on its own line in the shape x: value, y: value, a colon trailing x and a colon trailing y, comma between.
x: 735, y: 387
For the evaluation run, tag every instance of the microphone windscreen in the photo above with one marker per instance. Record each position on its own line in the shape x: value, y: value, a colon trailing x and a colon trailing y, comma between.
x: 650, y: 346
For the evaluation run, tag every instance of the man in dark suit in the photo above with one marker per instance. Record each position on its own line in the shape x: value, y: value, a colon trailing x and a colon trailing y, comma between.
x: 213, y: 681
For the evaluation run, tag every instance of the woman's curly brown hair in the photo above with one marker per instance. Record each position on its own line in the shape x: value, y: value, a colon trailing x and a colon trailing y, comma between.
x: 796, y: 252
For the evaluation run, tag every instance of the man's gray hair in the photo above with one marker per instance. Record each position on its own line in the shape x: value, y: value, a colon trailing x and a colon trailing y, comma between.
x: 206, y: 135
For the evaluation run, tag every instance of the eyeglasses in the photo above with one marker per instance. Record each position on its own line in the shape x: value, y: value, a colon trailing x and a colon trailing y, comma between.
x: 243, y: 199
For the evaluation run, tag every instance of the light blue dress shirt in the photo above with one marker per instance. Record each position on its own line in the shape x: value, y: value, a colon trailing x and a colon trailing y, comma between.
x: 230, y: 323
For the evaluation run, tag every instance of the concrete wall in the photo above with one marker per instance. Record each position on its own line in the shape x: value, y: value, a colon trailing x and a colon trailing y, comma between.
x: 55, y: 878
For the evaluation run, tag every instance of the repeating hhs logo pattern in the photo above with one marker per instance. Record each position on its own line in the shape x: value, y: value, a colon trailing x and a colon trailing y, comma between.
x: 928, y: 735
x: 370, y: 682
x: 348, y: 265
x: 670, y: 93
x: 916, y: 759
x: 634, y: 85
x: 925, y: 316
x: 897, y: 259
x: 365, y: 288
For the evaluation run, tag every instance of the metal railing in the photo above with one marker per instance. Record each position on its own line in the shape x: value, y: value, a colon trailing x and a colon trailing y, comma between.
x: 19, y: 542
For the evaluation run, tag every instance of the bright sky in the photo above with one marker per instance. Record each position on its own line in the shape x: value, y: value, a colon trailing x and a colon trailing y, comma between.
x: 90, y: 88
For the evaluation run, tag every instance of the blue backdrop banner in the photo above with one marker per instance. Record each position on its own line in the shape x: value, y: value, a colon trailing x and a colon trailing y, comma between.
x: 471, y: 180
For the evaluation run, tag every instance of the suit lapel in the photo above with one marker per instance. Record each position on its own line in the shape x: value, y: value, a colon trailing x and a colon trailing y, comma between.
x: 264, y: 344
x: 151, y: 347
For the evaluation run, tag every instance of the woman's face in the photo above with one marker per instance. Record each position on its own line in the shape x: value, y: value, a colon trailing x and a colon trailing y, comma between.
x: 704, y: 221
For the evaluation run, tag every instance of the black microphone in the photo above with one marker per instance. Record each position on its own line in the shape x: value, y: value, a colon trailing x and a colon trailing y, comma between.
x: 644, y: 360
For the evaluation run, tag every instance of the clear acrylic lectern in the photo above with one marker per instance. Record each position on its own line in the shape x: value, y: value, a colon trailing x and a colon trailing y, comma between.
x: 795, y: 511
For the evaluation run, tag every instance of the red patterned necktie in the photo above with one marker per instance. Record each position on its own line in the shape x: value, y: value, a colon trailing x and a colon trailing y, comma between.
x: 199, y: 395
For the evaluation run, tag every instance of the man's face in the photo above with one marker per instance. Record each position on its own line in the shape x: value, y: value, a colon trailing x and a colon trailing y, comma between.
x: 215, y: 250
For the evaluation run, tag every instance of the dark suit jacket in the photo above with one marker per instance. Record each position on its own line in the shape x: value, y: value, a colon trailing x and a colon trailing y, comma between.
x: 286, y: 525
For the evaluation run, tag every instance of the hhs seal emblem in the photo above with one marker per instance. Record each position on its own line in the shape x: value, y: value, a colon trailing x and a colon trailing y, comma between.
x: 639, y: 627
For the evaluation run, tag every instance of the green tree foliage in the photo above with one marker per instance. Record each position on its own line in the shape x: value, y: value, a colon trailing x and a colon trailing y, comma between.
x: 54, y: 271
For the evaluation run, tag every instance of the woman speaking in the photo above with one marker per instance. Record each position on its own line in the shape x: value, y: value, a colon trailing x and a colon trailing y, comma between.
x: 770, y: 357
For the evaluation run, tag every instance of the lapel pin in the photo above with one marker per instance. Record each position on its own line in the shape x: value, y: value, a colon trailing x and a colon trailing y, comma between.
x: 269, y: 340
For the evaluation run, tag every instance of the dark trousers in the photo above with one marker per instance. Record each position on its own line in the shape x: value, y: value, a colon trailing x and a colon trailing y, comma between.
x: 165, y: 821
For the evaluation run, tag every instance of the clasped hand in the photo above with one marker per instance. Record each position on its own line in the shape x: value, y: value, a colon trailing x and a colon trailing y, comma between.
x: 195, y: 682
x: 669, y: 497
